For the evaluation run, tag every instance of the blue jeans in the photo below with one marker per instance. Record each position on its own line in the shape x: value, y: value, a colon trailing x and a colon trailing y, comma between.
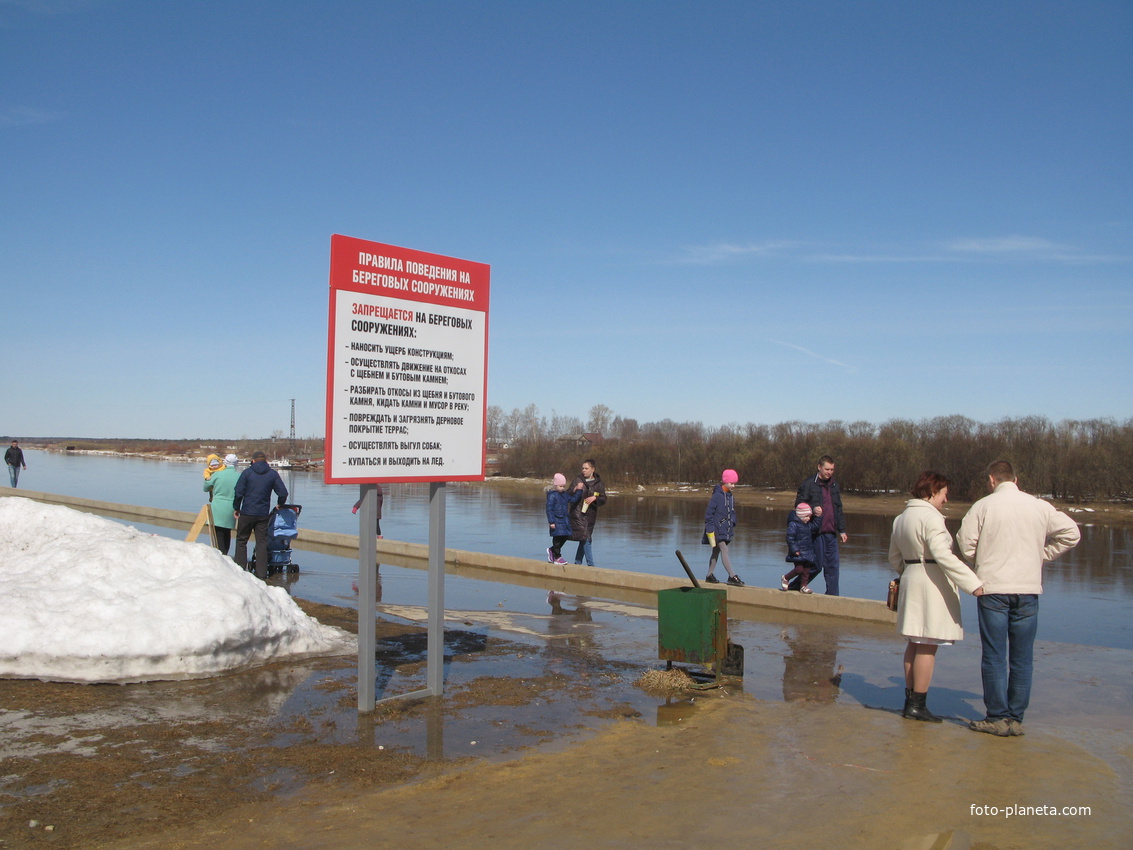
x: 1008, y: 623
x: 827, y: 560
x: 14, y: 474
x: 584, y: 548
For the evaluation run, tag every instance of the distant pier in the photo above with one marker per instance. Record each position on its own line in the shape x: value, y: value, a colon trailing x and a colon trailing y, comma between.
x: 620, y: 585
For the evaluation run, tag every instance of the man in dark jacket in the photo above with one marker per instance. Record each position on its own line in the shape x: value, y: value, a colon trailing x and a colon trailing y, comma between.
x: 821, y: 491
x: 14, y: 457
x: 252, y: 507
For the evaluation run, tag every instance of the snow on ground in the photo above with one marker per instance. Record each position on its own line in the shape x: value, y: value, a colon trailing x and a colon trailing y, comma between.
x: 87, y: 599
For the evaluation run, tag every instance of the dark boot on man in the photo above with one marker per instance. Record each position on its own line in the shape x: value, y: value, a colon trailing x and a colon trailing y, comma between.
x: 919, y: 711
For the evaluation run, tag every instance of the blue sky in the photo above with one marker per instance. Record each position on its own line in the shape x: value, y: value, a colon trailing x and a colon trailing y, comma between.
x: 717, y: 212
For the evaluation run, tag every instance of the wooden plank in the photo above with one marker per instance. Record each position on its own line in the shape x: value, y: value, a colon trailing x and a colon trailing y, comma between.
x: 203, y: 518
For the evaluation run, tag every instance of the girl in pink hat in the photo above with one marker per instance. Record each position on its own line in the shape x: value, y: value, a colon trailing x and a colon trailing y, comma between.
x: 558, y: 516
x: 802, y: 525
x: 719, y: 524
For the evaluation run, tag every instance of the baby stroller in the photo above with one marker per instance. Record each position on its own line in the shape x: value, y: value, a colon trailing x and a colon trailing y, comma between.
x: 283, y: 527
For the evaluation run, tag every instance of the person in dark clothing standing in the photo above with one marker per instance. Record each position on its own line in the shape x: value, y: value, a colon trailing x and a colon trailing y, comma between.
x: 14, y: 457
x: 252, y: 507
x: 584, y: 513
x: 822, y: 494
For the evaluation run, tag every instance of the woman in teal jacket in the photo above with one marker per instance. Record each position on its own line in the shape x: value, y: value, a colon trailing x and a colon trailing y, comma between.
x: 221, y: 487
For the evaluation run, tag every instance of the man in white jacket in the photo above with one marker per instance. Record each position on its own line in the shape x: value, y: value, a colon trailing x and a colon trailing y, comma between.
x: 1007, y: 536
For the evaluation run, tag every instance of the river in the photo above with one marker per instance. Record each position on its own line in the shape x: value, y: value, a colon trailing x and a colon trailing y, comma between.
x: 1087, y: 591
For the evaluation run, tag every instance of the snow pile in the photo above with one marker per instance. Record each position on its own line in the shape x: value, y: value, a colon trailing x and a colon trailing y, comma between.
x: 86, y: 599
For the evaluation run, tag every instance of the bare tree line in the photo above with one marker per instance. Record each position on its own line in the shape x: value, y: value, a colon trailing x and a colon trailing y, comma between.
x: 1071, y: 460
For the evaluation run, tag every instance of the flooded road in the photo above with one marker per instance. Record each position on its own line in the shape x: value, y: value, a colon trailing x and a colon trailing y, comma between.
x: 542, y: 721
x: 1088, y: 591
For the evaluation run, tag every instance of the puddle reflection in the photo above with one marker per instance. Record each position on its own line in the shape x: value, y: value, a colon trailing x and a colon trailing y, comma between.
x: 811, y: 672
x: 675, y: 711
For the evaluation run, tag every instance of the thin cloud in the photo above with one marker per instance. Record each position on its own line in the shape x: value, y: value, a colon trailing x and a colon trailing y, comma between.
x: 1025, y: 248
x: 723, y: 252
x: 24, y: 116
x: 961, y: 250
x: 878, y: 258
x: 1006, y: 245
x: 979, y: 250
x: 816, y: 356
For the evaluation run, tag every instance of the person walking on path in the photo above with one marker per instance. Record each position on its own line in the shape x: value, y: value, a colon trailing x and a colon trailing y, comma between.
x: 559, y: 504
x: 719, y: 526
x: 221, y: 487
x: 584, y: 512
x: 802, y: 526
x: 252, y: 507
x: 380, y: 493
x: 1008, y: 535
x: 928, y: 607
x: 822, y: 494
x: 14, y: 457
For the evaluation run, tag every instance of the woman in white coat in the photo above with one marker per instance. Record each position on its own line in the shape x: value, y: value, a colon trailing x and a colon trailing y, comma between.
x: 928, y: 607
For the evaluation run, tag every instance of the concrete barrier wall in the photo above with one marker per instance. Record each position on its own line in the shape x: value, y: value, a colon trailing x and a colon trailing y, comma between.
x: 621, y: 585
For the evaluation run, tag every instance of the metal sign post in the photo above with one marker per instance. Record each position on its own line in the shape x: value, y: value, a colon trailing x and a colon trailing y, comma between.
x: 367, y: 592
x: 435, y: 665
x: 407, y: 380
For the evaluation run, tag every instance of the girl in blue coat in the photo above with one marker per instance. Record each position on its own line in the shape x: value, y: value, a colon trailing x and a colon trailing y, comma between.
x: 719, y: 523
x: 558, y: 517
x: 802, y: 525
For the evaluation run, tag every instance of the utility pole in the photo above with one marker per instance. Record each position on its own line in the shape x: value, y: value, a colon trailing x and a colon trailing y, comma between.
x: 293, y: 430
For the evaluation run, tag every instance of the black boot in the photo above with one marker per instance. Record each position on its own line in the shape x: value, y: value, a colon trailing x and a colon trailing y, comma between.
x: 919, y: 711
x: 908, y: 702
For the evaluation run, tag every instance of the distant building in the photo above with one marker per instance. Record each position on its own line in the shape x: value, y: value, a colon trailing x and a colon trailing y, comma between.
x: 583, y: 441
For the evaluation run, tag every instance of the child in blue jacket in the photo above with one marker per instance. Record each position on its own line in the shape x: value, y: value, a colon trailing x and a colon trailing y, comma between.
x: 802, y: 525
x: 558, y: 517
x: 719, y: 526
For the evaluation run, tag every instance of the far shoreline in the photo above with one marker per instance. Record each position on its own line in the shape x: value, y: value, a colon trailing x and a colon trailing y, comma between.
x: 885, y: 504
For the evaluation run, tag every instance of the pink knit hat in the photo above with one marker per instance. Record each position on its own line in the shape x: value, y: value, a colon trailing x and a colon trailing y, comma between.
x: 803, y: 509
x: 730, y: 476
x: 560, y: 479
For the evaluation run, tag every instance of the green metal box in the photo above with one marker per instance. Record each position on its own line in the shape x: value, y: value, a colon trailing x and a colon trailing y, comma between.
x: 692, y: 624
